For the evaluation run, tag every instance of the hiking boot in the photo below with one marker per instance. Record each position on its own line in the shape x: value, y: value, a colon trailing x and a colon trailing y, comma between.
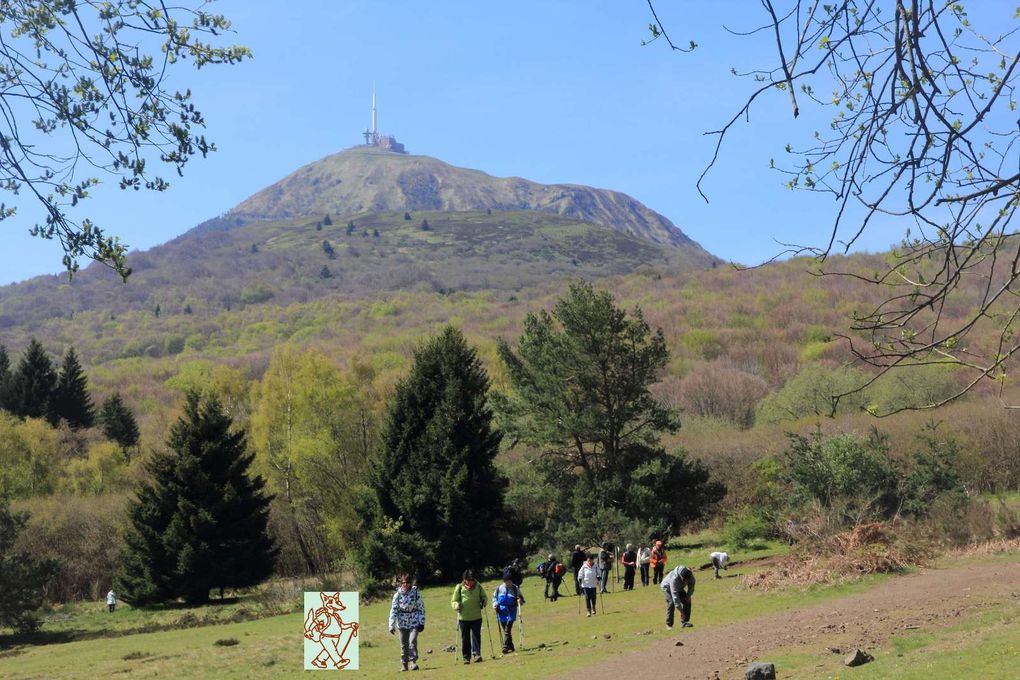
x: 413, y: 666
x: 687, y: 624
x: 467, y: 661
x: 403, y: 666
x: 505, y: 650
x: 478, y: 659
x: 589, y: 615
x: 668, y: 627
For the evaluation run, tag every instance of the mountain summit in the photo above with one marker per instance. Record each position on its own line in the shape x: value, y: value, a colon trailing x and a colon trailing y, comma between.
x: 366, y: 179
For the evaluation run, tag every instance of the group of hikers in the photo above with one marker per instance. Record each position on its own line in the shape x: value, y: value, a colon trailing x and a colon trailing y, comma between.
x: 591, y: 575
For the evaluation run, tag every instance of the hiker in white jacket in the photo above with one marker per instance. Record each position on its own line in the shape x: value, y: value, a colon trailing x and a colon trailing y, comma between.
x: 719, y: 561
x: 588, y: 577
x: 644, y: 561
x: 111, y: 601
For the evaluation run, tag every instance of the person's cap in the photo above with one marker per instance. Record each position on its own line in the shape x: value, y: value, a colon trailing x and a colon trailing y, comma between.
x: 551, y: 557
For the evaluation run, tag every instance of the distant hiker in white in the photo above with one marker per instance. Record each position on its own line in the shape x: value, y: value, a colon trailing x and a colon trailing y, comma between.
x: 719, y: 561
x: 644, y: 559
x: 111, y: 600
x: 678, y: 586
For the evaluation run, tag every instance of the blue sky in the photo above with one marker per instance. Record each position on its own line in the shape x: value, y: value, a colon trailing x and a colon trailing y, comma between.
x: 552, y: 91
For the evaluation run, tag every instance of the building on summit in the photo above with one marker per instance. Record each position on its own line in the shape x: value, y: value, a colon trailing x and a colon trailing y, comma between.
x: 373, y: 138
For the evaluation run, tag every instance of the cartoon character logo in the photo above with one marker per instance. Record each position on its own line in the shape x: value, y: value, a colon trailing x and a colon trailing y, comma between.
x: 330, y: 634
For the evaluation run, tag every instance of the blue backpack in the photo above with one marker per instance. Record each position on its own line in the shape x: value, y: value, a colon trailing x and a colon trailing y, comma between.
x: 506, y: 604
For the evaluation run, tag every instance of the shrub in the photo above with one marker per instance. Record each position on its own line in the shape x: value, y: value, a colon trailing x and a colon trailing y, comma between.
x: 721, y: 391
x: 744, y: 528
x: 811, y: 393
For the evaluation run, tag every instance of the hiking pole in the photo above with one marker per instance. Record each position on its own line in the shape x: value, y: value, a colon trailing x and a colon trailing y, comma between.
x: 520, y: 615
x: 488, y: 629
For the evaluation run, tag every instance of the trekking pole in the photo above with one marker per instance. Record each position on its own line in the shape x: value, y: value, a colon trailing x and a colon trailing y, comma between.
x: 488, y: 629
x: 520, y: 615
x: 456, y: 643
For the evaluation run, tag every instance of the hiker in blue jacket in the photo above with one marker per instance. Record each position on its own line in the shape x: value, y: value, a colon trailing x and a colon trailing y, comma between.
x: 407, y: 614
x: 506, y: 599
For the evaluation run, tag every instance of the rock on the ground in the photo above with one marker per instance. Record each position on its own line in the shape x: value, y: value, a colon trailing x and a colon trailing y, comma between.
x: 450, y: 648
x: 428, y: 651
x: 858, y: 657
x: 678, y: 643
x: 760, y: 671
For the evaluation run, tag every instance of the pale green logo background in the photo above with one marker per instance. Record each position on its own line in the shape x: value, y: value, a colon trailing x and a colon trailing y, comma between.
x: 332, y: 630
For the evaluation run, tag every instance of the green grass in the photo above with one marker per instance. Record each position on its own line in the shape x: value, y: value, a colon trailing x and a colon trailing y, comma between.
x: 271, y: 647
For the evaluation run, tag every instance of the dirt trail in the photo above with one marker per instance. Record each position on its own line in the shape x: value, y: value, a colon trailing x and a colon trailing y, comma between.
x: 927, y: 600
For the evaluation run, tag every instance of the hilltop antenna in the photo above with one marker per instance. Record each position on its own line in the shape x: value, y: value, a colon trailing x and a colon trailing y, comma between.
x: 375, y: 130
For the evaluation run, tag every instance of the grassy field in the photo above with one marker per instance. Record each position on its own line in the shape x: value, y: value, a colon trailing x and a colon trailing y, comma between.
x: 87, y: 642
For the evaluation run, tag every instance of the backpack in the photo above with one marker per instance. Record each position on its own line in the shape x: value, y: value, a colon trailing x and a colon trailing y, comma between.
x: 541, y: 568
x: 506, y: 604
x: 559, y: 569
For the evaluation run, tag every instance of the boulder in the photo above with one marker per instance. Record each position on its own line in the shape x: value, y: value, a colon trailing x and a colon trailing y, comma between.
x: 858, y: 657
x: 760, y: 671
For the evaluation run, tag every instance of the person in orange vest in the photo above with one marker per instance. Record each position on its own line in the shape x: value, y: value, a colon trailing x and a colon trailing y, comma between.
x: 658, y: 561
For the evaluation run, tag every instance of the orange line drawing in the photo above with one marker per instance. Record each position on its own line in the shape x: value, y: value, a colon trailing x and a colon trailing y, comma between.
x: 325, y: 627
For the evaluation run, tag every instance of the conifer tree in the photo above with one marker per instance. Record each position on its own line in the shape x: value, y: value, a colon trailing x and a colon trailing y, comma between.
x: 119, y: 423
x: 31, y: 386
x: 5, y: 377
x: 201, y: 522
x: 71, y: 399
x: 436, y: 478
x: 22, y: 576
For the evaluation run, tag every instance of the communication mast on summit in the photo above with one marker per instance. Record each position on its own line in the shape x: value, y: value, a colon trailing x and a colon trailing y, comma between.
x: 373, y: 138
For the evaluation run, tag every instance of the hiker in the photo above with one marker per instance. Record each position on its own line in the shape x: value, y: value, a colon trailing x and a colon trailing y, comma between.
x: 658, y: 561
x: 678, y: 587
x: 553, y: 573
x: 111, y: 601
x: 605, y: 565
x: 720, y: 560
x: 506, y: 599
x: 588, y: 578
x: 516, y: 571
x: 407, y: 614
x: 629, y: 560
x: 469, y: 600
x: 576, y: 561
x: 644, y: 558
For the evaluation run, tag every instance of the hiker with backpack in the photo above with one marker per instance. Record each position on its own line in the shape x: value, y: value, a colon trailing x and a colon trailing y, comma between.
x: 576, y: 560
x: 658, y: 561
x: 678, y: 587
x: 629, y: 560
x: 506, y: 599
x: 588, y: 578
x: 552, y: 570
x: 720, y: 560
x: 468, y: 601
x: 644, y: 558
x: 407, y: 614
x: 605, y: 565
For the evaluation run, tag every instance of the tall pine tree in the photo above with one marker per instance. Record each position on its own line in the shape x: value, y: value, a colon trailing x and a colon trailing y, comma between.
x: 436, y: 478
x: 119, y: 423
x: 5, y: 377
x: 31, y: 386
x: 201, y: 522
x: 71, y: 399
x: 22, y: 576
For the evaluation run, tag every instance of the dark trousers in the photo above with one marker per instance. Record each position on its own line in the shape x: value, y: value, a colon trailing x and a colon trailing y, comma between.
x: 657, y: 573
x: 577, y: 584
x: 508, y: 638
x: 589, y: 599
x: 112, y: 606
x: 554, y: 585
x: 470, y: 638
x: 685, y: 607
x: 628, y: 577
x: 644, y: 574
x: 604, y: 579
x: 715, y: 563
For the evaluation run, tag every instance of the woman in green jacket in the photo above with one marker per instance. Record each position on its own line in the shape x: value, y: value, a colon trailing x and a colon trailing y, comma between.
x: 468, y: 601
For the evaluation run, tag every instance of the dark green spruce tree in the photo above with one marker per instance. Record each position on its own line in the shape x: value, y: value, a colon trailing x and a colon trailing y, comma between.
x: 22, y: 577
x: 200, y: 524
x: 118, y: 422
x: 436, y: 477
x: 71, y: 400
x: 32, y: 384
x: 5, y: 377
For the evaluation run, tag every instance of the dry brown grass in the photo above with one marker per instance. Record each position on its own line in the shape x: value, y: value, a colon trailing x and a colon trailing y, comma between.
x: 840, y: 558
x: 993, y: 547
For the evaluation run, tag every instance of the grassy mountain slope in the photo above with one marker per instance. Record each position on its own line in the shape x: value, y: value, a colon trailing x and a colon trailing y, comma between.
x: 364, y: 179
x: 298, y: 260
